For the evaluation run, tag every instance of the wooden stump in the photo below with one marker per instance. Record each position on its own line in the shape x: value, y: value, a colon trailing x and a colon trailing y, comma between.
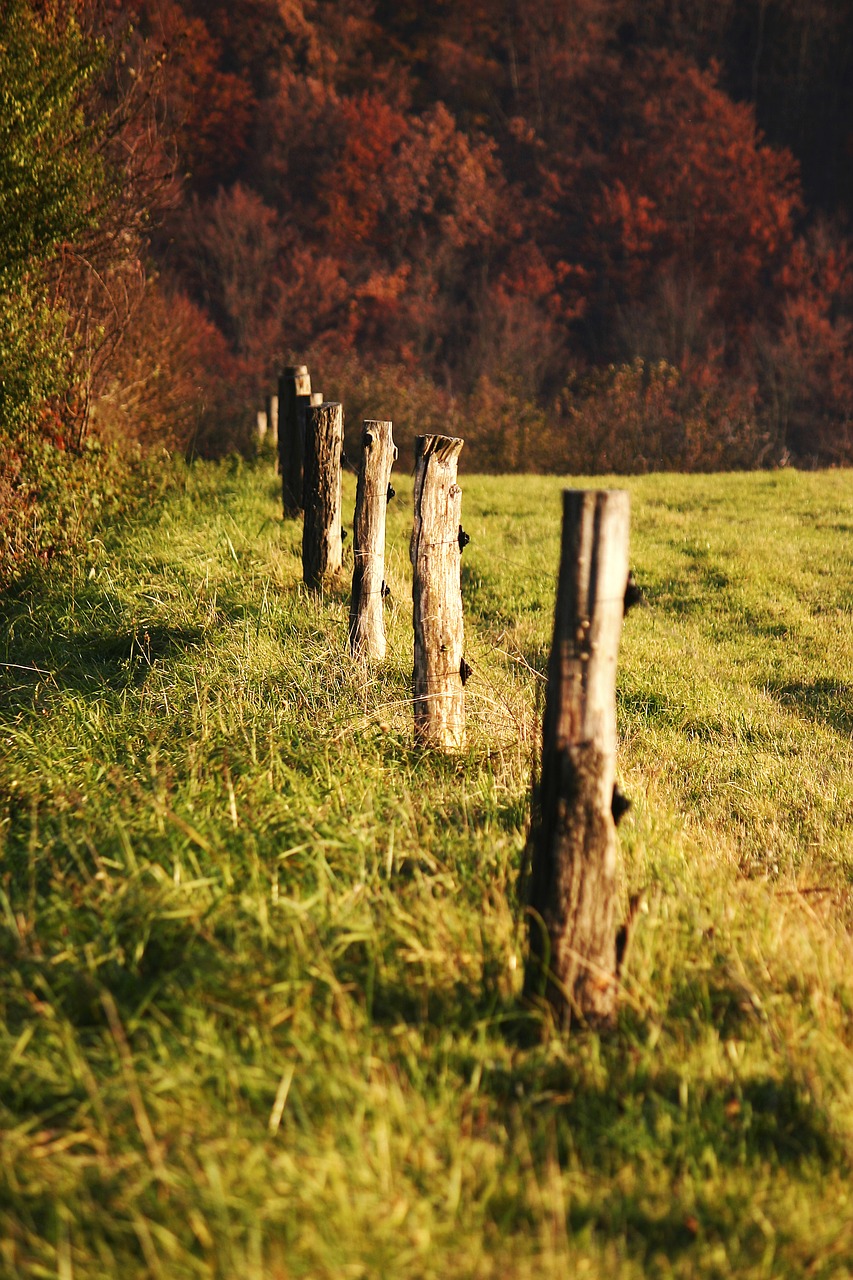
x: 322, y: 546
x: 572, y: 892
x: 367, y: 617
x: 294, y: 392
x: 437, y: 680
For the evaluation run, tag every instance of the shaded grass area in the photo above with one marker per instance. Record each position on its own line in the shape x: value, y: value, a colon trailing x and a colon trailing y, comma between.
x: 261, y: 960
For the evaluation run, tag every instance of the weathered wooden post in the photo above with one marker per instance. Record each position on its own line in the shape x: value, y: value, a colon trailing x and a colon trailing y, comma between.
x: 272, y: 420
x: 322, y: 546
x: 436, y: 549
x: 572, y: 889
x: 366, y: 615
x: 271, y: 432
x: 294, y: 392
x: 261, y: 425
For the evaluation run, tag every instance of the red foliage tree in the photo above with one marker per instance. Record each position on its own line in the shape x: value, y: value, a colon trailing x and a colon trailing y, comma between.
x: 807, y: 365
x: 208, y: 109
x: 692, y: 188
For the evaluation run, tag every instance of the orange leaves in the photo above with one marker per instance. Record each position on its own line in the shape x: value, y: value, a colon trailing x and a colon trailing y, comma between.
x: 401, y: 181
x: 406, y: 200
x: 209, y: 109
x: 808, y: 365
x: 353, y: 187
x: 695, y: 185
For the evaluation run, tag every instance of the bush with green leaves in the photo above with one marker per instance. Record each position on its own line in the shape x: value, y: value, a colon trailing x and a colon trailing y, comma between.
x: 52, y: 181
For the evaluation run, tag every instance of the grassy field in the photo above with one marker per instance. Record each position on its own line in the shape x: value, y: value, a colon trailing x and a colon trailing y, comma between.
x: 261, y: 960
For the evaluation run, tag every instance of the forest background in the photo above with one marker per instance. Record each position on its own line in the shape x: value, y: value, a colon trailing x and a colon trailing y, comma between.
x: 598, y: 236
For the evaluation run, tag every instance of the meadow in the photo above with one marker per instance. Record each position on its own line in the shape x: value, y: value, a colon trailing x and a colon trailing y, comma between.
x: 262, y: 960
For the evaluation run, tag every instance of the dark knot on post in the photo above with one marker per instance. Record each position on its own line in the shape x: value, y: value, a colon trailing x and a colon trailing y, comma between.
x: 344, y: 535
x: 619, y: 805
x: 464, y: 671
x: 392, y: 492
x: 386, y: 591
x: 633, y: 593
x: 464, y: 539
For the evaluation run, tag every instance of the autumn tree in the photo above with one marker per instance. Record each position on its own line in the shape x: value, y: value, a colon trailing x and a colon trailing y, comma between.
x: 207, y: 109
x: 506, y: 198
x: 806, y: 365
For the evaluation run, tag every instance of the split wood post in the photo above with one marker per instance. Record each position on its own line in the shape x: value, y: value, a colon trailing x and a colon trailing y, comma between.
x: 366, y: 615
x: 438, y: 676
x: 322, y: 545
x: 294, y: 392
x: 572, y: 892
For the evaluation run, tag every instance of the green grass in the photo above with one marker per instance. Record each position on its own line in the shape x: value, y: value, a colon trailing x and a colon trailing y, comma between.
x: 261, y: 960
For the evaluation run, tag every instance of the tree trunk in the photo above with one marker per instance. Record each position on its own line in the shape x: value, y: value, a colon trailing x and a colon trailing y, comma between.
x: 294, y: 385
x: 572, y: 891
x: 437, y: 680
x: 367, y: 617
x: 322, y: 547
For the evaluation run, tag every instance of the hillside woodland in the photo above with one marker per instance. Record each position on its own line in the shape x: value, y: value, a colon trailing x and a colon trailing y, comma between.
x: 609, y: 235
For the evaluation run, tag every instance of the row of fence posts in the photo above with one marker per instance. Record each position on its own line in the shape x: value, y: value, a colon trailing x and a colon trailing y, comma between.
x: 310, y: 437
x: 571, y: 887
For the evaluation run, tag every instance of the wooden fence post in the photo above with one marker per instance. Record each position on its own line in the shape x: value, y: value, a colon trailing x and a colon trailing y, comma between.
x: 271, y: 434
x: 272, y: 421
x: 572, y: 890
x: 366, y: 616
x: 322, y: 545
x: 261, y: 425
x: 438, y: 676
x: 294, y: 391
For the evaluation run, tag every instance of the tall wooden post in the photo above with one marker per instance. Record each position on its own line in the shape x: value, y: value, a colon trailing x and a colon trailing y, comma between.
x: 294, y: 391
x: 437, y: 680
x: 366, y: 617
x: 572, y: 890
x: 322, y: 546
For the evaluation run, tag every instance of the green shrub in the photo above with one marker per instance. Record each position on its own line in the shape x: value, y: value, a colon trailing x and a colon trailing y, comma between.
x: 52, y: 182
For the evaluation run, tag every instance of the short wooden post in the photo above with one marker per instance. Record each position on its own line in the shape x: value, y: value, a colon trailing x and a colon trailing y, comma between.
x: 322, y: 546
x: 261, y: 425
x: 437, y: 680
x: 366, y: 616
x: 572, y: 890
x: 315, y: 399
x: 272, y: 420
x: 269, y: 434
x: 294, y: 390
